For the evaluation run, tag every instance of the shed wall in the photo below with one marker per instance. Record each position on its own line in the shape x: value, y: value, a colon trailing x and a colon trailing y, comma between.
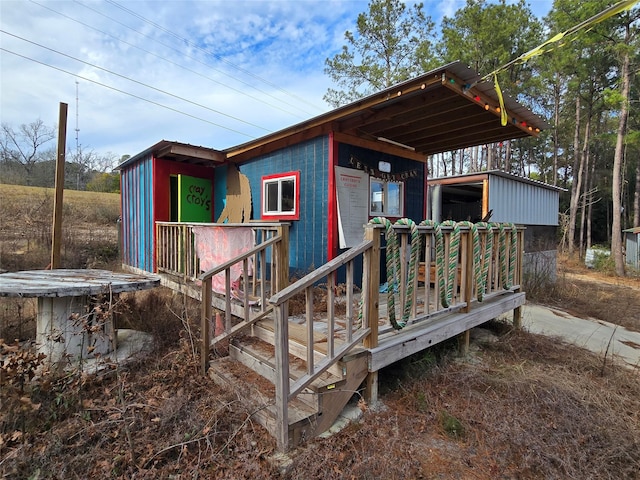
x: 137, y: 215
x: 522, y: 203
x: 308, y: 236
x: 632, y: 248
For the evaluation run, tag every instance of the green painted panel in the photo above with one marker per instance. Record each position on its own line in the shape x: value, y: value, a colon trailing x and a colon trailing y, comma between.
x: 194, y: 199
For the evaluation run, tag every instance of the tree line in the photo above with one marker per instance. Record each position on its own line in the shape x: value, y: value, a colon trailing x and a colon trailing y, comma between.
x: 28, y: 157
x: 587, y: 87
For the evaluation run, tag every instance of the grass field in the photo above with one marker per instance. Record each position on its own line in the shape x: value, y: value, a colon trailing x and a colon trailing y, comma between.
x: 89, y: 227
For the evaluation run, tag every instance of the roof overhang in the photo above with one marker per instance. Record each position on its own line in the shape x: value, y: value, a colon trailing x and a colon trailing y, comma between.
x: 180, y: 152
x: 443, y: 110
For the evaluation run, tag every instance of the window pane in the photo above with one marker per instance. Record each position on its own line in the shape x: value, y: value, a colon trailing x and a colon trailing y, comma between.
x: 377, y: 197
x: 271, y: 196
x: 394, y: 199
x: 288, y: 195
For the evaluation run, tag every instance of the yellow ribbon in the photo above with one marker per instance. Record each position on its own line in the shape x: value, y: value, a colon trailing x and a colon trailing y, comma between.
x: 589, y: 23
x: 504, y: 118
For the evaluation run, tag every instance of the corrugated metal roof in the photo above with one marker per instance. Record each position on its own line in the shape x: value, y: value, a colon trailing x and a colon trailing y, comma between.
x: 453, y: 179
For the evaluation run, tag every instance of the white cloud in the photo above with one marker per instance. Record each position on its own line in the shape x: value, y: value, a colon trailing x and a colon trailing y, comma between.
x: 258, y: 61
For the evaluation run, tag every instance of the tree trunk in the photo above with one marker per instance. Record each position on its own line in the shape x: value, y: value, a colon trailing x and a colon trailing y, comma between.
x: 556, y: 120
x: 616, y: 225
x: 636, y: 197
x: 577, y: 180
x: 453, y: 162
x: 592, y: 176
x: 585, y: 167
x: 507, y: 157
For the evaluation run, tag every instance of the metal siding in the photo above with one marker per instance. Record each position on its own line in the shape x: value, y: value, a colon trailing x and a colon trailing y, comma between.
x: 137, y: 215
x: 633, y: 249
x: 308, y: 236
x: 522, y: 203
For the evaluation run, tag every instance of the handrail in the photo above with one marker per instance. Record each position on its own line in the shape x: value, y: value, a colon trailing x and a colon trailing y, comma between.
x: 313, y: 277
x: 248, y: 316
x: 230, y: 263
x: 287, y: 389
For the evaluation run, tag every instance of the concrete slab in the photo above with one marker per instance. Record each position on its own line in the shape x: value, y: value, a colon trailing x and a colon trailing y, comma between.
x: 596, y: 335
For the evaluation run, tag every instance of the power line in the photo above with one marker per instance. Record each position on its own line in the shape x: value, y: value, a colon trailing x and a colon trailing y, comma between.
x: 136, y: 81
x: 169, y: 61
x: 125, y: 93
x: 208, y: 52
x: 190, y: 57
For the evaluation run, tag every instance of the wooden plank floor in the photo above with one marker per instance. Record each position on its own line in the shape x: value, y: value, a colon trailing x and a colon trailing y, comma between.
x: 430, y: 328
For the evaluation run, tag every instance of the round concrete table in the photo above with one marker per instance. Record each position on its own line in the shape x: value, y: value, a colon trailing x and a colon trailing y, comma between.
x: 72, y: 321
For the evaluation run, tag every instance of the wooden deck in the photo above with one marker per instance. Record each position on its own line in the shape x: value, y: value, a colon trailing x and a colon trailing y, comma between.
x: 311, y: 362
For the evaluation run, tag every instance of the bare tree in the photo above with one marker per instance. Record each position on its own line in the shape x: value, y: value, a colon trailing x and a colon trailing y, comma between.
x: 26, y: 146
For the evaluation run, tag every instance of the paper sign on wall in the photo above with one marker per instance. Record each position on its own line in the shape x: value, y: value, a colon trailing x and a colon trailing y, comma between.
x: 352, y: 192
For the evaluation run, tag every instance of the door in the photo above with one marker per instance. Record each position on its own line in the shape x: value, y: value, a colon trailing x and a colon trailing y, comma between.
x: 194, y: 199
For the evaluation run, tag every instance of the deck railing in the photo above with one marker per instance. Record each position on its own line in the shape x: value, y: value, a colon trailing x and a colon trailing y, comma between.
x: 420, y: 294
x: 177, y: 256
x: 274, y: 247
x: 359, y: 323
x: 437, y: 275
x: 454, y: 286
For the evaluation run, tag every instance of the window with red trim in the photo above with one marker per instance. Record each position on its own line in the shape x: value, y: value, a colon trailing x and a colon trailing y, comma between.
x: 281, y: 196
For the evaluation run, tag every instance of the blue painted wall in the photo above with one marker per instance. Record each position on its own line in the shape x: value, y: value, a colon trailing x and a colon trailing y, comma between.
x: 308, y: 236
x: 414, y: 187
x: 137, y: 215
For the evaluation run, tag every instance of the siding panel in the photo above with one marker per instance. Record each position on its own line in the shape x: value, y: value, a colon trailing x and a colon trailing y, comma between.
x: 522, y: 203
x: 137, y: 215
x: 308, y: 236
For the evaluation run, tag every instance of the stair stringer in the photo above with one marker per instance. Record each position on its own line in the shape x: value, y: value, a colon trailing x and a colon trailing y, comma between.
x: 333, y: 401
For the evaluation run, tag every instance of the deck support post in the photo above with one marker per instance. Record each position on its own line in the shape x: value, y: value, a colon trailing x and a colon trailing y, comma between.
x: 517, y: 312
x: 281, y: 333
x: 205, y: 316
x: 281, y: 250
x: 370, y: 292
x: 463, y: 343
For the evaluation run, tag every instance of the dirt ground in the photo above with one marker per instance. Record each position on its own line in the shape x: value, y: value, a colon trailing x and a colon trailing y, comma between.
x: 589, y: 293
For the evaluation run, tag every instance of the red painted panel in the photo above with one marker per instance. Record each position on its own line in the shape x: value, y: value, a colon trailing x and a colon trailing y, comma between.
x: 332, y: 214
x: 163, y: 169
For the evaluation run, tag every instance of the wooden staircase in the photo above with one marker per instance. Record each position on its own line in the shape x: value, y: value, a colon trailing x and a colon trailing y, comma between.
x: 250, y: 369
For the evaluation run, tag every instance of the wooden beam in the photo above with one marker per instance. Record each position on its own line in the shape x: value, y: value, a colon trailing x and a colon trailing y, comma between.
x: 371, y: 289
x: 56, y: 238
x: 379, y: 146
x: 277, y: 141
x: 485, y: 196
x: 201, y: 153
x: 205, y: 316
x: 418, y: 337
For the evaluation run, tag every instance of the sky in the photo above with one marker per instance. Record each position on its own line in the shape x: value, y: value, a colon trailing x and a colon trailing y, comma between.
x: 215, y: 73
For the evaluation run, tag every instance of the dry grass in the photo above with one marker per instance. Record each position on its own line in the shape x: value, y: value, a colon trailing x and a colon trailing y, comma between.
x: 591, y: 293
x: 89, y: 228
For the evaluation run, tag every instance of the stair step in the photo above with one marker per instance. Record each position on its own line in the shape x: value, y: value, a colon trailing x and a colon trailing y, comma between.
x: 297, y: 343
x: 260, y: 357
x: 258, y: 394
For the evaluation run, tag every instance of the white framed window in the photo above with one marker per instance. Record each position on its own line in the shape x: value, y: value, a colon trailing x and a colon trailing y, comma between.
x: 386, y: 198
x: 281, y: 196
